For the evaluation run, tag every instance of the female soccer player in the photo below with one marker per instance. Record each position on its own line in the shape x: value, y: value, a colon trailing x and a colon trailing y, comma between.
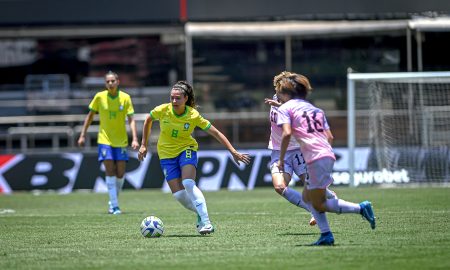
x: 114, y: 106
x: 294, y: 161
x: 308, y: 124
x: 177, y: 149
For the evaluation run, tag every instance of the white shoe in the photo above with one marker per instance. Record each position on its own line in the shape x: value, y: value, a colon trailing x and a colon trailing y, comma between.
x: 292, y: 183
x: 206, y: 229
x: 312, y: 221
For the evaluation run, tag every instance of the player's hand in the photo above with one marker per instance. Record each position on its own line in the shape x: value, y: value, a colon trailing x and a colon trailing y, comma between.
x: 245, y: 158
x: 281, y: 165
x: 142, y: 153
x: 272, y: 102
x: 134, y: 144
x: 81, y: 141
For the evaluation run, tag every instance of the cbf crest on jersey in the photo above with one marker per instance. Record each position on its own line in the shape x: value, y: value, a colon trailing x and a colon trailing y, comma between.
x: 186, y: 126
x: 121, y: 107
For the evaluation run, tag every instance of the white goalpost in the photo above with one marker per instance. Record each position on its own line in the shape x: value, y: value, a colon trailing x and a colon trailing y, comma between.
x: 403, y: 120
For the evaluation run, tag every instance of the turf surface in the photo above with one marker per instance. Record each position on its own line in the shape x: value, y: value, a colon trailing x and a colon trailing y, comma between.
x: 255, y: 230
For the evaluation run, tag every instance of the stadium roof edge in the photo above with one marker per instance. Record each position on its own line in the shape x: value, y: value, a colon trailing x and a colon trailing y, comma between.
x: 284, y: 28
x: 311, y: 28
x: 87, y: 31
x: 430, y: 24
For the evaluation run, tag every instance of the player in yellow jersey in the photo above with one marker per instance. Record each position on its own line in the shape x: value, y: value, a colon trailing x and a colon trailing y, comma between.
x: 177, y: 149
x: 114, y: 108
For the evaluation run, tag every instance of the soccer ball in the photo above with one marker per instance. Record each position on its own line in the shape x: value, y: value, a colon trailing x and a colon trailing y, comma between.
x: 152, y: 226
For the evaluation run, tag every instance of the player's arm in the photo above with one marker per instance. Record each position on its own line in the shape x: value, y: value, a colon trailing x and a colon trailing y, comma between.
x: 330, y: 136
x: 87, y: 123
x: 224, y: 141
x: 145, y: 135
x: 285, y: 138
x: 132, y: 123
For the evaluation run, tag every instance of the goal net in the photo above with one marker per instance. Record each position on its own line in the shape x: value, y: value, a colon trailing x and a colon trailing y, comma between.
x: 403, y: 119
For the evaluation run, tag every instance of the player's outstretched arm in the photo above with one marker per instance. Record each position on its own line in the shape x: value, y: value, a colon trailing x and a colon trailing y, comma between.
x: 87, y: 123
x: 237, y: 156
x: 145, y: 134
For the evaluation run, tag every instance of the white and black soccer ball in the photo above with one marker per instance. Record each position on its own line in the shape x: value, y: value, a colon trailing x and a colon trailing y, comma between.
x: 152, y: 226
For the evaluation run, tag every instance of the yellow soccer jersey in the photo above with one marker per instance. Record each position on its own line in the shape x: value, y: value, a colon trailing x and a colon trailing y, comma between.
x: 113, y: 112
x: 176, y: 130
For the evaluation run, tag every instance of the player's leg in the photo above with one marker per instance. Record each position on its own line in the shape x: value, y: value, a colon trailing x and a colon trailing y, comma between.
x: 364, y: 208
x: 335, y: 205
x: 197, y: 198
x: 330, y: 194
x: 121, y: 158
x: 105, y: 155
x: 280, y: 179
x: 188, y: 163
x: 317, y: 197
x: 172, y: 174
x: 319, y: 179
x: 110, y: 171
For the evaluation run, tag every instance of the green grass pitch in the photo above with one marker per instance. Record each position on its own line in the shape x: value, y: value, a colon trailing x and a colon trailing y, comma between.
x: 255, y: 230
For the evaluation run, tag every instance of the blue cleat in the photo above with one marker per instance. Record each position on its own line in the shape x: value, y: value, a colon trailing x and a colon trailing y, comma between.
x: 367, y: 212
x: 326, y: 239
x: 116, y: 211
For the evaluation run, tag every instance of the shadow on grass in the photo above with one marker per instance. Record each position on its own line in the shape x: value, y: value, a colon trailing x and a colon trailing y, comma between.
x: 184, y: 236
x: 302, y: 234
x: 309, y: 245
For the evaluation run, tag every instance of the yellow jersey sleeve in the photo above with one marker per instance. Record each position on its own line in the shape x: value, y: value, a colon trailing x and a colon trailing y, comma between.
x: 130, y: 109
x: 158, y: 111
x: 94, y: 105
x: 202, y: 123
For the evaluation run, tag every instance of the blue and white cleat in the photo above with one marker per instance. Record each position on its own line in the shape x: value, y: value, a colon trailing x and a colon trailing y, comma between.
x: 116, y: 211
x: 326, y: 239
x: 206, y: 229
x: 367, y: 213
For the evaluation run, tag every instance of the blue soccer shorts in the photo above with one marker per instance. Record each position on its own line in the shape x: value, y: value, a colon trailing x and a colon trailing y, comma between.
x: 172, y: 166
x: 107, y: 152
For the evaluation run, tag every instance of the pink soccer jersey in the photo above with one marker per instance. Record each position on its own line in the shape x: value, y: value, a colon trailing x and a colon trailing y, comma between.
x: 276, y: 132
x: 308, y: 126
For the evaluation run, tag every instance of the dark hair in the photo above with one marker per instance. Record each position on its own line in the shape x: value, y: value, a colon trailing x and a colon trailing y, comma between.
x: 295, y: 85
x: 187, y: 90
x: 112, y: 73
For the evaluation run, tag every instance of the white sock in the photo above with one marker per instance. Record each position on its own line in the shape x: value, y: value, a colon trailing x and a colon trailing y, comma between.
x: 182, y: 197
x: 321, y: 219
x: 112, y: 190
x: 294, y: 197
x: 197, y: 199
x: 119, y: 184
x: 331, y: 194
x: 340, y: 206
